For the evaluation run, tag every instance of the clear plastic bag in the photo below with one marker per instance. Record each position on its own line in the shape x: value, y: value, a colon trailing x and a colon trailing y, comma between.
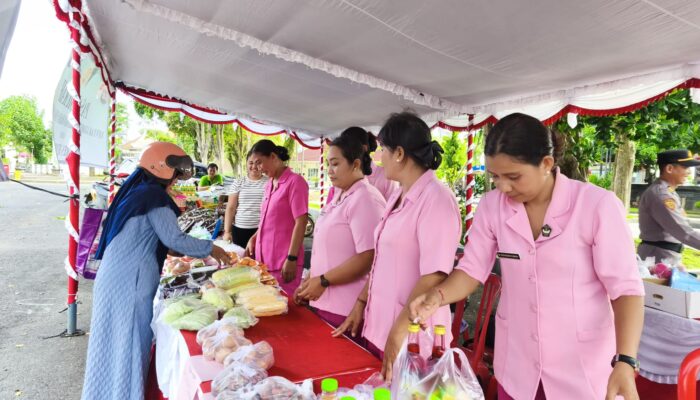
x: 218, y: 298
x: 408, y: 369
x: 273, y: 388
x: 220, y: 340
x: 260, y: 355
x: 231, y: 277
x: 236, y: 377
x: 365, y: 390
x: 241, y: 317
x: 447, y: 380
x: 189, y: 314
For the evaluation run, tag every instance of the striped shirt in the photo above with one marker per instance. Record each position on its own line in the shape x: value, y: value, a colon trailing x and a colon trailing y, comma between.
x: 250, y: 195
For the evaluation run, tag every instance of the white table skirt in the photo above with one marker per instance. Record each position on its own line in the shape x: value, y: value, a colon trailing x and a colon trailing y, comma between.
x: 666, y: 340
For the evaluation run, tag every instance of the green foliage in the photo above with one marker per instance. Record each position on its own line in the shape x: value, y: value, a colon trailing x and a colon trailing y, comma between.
x: 696, y: 206
x: 21, y: 124
x: 604, y: 181
x: 452, y: 168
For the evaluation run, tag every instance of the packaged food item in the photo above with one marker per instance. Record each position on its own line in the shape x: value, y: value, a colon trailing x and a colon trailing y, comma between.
x: 247, y: 262
x: 189, y: 314
x: 241, y: 317
x: 233, y: 292
x: 232, y: 277
x: 218, y: 298
x: 211, y: 330
x: 226, y: 339
x: 273, y: 388
x: 176, y: 266
x: 259, y: 355
x: 258, y: 291
x: 235, y: 377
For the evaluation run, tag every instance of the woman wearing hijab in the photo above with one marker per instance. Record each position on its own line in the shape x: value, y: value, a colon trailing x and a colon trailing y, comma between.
x: 140, y: 228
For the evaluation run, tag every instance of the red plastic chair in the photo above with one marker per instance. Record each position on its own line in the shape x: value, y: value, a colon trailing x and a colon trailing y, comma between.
x: 475, y: 351
x: 687, y: 376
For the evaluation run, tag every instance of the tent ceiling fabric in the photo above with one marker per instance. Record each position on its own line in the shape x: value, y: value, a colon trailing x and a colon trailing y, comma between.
x: 319, y: 66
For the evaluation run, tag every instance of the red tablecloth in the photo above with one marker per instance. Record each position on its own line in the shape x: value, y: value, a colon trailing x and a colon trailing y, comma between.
x: 304, y: 349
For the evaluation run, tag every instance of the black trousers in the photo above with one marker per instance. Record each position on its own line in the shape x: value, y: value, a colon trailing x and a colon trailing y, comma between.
x: 241, y: 236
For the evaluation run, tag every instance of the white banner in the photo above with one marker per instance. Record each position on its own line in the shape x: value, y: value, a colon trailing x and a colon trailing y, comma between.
x: 94, y: 116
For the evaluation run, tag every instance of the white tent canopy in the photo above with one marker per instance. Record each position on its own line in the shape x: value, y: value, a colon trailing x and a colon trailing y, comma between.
x: 315, y: 67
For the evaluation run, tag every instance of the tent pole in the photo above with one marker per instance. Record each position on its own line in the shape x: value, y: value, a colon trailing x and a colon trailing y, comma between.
x: 73, y: 161
x: 112, y: 146
x: 322, y: 175
x: 469, y: 218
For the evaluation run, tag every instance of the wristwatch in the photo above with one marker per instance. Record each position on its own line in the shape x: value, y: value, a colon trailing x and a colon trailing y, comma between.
x: 292, y: 258
x: 324, y: 281
x: 631, y: 361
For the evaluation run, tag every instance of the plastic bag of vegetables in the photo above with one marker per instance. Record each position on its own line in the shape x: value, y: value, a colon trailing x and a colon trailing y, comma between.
x: 232, y: 277
x: 218, y: 298
x: 189, y: 314
x: 241, y: 317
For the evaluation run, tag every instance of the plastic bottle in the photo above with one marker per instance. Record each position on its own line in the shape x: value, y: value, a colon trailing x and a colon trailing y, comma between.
x: 438, y: 344
x: 413, y: 343
x: 382, y: 394
x: 329, y: 389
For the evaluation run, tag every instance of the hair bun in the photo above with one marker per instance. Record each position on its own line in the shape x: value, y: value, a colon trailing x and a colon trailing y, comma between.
x: 282, y: 153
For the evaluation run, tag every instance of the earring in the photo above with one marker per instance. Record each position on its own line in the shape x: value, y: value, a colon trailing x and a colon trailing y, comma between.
x: 397, y: 160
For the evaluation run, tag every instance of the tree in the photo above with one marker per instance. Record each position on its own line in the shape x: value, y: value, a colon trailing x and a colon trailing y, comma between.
x: 184, y: 128
x: 22, y: 124
x: 451, y: 169
x: 237, y: 143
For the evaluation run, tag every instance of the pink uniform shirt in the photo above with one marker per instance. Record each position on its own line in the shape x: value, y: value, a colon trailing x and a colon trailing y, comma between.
x: 279, y: 209
x: 554, y: 321
x: 344, y: 229
x: 376, y: 179
x: 417, y: 238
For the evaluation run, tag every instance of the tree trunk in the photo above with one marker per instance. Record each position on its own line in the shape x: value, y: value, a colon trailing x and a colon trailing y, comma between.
x: 203, y: 141
x: 624, y: 167
x: 487, y: 181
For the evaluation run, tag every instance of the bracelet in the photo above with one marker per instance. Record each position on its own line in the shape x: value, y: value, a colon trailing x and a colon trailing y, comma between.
x: 442, y: 296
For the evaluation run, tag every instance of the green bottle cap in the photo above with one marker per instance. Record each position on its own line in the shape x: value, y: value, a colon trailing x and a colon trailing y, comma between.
x: 382, y: 394
x: 329, y: 385
x: 347, y: 398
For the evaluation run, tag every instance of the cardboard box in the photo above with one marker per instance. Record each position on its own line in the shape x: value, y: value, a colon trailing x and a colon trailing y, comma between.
x: 670, y: 300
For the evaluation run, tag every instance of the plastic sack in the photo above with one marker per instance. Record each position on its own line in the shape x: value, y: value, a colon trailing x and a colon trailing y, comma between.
x: 236, y: 377
x: 189, y: 314
x: 225, y: 340
x: 409, y: 369
x: 212, y: 329
x: 90, y: 232
x: 232, y: 277
x: 259, y: 355
x: 644, y: 266
x: 273, y: 388
x: 447, y: 380
x: 218, y: 298
x: 200, y: 232
x: 241, y: 317
x: 233, y: 292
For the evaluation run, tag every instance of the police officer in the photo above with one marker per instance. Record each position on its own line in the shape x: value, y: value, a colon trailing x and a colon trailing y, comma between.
x: 663, y: 224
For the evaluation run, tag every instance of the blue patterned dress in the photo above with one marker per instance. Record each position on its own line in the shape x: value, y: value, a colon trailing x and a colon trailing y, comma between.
x: 120, y: 331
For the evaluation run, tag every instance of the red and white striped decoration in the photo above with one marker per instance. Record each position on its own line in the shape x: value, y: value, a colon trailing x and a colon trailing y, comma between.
x: 73, y: 158
x: 469, y: 201
x: 322, y: 174
x: 112, y: 147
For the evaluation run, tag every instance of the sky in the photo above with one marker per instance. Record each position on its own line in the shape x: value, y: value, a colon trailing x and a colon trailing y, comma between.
x: 38, y: 53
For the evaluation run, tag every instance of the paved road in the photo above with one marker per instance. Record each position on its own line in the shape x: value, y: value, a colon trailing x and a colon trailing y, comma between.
x: 33, y: 245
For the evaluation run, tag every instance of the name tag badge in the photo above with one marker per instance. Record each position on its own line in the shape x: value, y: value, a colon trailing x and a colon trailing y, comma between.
x: 510, y: 256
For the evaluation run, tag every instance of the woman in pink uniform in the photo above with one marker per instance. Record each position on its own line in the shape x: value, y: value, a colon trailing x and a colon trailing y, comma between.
x: 415, y: 243
x: 571, y: 310
x: 343, y: 247
x: 376, y: 175
x: 279, y: 241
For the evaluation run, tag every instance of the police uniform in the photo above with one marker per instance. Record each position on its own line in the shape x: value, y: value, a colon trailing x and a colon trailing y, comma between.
x: 663, y: 224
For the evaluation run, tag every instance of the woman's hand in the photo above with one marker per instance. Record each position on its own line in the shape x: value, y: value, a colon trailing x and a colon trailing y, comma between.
x: 424, y: 306
x: 391, y: 351
x: 250, y: 248
x: 220, y: 255
x: 289, y: 271
x: 313, y: 289
x: 228, y: 237
x: 621, y: 383
x: 353, y: 322
x: 297, y: 299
